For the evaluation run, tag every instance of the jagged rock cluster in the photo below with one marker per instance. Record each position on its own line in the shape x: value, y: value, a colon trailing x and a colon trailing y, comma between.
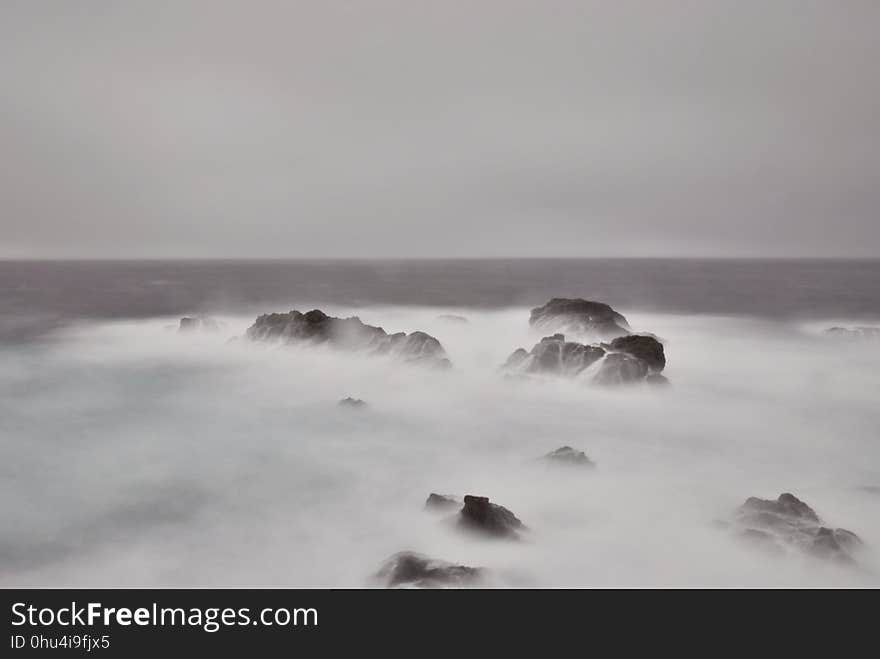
x: 408, y: 568
x: 623, y: 359
x: 347, y: 333
x: 626, y: 359
x: 787, y: 523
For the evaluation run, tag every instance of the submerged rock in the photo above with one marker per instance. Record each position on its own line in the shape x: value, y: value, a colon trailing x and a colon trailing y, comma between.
x: 853, y: 333
x: 789, y: 523
x: 621, y: 363
x: 568, y: 456
x: 578, y: 316
x: 355, y: 403
x: 198, y: 323
x: 408, y: 568
x: 347, y: 333
x: 441, y: 502
x: 452, y: 318
x: 479, y: 515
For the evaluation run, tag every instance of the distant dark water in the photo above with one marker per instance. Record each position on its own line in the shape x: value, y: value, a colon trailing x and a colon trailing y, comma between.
x: 38, y: 295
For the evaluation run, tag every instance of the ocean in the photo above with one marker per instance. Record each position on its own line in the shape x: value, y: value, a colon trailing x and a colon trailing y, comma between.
x: 134, y: 455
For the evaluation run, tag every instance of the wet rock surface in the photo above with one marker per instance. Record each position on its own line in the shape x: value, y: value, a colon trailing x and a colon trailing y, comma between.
x: 580, y: 317
x: 482, y: 516
x: 566, y: 455
x: 408, y: 568
x: 347, y: 333
x: 787, y: 523
x: 355, y: 403
x: 635, y: 360
x: 642, y: 347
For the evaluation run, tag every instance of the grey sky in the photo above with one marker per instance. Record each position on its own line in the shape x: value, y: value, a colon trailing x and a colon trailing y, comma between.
x: 408, y: 128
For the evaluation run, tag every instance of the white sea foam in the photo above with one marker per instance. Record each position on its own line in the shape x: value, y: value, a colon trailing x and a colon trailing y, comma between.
x: 134, y: 455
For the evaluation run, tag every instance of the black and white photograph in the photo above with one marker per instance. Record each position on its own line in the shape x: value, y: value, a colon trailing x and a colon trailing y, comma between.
x: 400, y: 295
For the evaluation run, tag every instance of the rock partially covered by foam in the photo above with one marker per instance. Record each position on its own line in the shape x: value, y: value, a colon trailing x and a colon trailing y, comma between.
x: 347, y: 333
x: 555, y: 355
x: 566, y: 455
x: 482, y: 516
x: 854, y: 333
x: 643, y: 347
x: 579, y: 317
x: 198, y: 324
x: 408, y: 568
x: 787, y: 523
x: 441, y: 502
x: 619, y: 362
x: 354, y: 403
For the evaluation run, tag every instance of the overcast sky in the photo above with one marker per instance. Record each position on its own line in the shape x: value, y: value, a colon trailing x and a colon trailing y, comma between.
x: 406, y: 128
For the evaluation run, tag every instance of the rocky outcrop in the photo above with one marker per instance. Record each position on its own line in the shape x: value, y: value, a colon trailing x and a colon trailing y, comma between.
x: 408, y: 568
x: 440, y: 502
x: 787, y: 523
x: 566, y: 455
x: 619, y: 362
x: 347, y: 333
x: 579, y: 317
x: 354, y: 403
x: 482, y: 516
x: 854, y: 333
x: 198, y: 324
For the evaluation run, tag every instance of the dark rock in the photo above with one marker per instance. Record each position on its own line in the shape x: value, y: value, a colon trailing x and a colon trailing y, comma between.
x: 633, y: 360
x: 569, y: 456
x: 198, y: 323
x: 347, y: 333
x: 356, y: 403
x: 579, y: 316
x: 478, y: 514
x: 790, y: 522
x: 787, y: 505
x: 556, y: 356
x: 657, y: 379
x: 643, y: 347
x: 441, y: 502
x: 408, y: 568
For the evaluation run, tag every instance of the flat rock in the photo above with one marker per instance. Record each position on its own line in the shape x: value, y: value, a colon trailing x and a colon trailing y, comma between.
x: 355, y: 403
x: 408, y: 568
x: 854, y: 333
x: 452, y: 319
x: 198, y: 324
x: 566, y: 455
